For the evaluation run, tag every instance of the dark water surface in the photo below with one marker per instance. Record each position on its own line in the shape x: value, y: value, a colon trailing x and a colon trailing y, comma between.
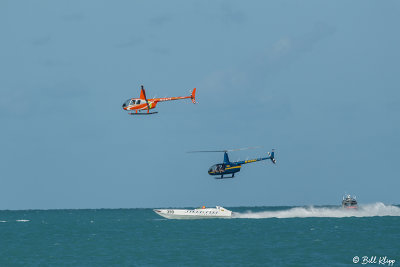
x: 262, y: 236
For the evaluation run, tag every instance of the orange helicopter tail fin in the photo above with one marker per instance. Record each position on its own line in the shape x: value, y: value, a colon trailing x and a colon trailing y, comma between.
x: 193, y: 96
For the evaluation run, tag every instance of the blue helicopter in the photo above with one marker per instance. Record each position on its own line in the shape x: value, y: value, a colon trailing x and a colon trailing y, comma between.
x: 228, y: 167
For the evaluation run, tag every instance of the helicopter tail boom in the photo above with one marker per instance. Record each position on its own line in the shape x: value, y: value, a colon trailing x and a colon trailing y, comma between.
x: 271, y: 156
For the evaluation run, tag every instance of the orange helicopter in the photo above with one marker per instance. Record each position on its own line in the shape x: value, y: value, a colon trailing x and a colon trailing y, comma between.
x: 142, y: 103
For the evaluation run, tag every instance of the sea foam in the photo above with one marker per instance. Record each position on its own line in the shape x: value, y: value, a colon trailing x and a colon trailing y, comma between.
x: 368, y: 210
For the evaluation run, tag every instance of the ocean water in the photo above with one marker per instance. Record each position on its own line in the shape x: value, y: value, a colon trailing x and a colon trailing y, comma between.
x: 256, y: 236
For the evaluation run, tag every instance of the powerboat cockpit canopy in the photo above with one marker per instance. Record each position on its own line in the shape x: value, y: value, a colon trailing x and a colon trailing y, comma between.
x: 349, y: 202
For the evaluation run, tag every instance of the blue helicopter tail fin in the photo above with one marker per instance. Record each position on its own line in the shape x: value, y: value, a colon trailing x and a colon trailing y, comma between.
x: 226, y: 158
x: 272, y: 156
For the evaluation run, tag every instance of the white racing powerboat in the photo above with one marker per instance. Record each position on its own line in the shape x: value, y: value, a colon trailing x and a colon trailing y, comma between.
x: 199, y: 213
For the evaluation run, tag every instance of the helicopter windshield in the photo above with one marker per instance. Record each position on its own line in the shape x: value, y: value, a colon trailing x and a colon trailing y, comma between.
x: 217, y: 168
x: 126, y: 103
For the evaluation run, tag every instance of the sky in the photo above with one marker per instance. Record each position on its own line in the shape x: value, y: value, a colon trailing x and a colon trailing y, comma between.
x: 316, y: 80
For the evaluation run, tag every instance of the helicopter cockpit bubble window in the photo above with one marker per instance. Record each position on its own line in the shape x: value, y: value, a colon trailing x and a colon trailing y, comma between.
x: 213, y: 168
x: 220, y: 167
x: 126, y: 103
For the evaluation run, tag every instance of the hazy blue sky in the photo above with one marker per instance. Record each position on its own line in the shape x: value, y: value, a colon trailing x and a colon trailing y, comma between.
x: 317, y: 80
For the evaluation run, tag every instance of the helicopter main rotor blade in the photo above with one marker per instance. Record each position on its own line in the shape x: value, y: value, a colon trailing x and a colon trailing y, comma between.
x: 244, y: 148
x: 226, y: 150
x: 206, y: 151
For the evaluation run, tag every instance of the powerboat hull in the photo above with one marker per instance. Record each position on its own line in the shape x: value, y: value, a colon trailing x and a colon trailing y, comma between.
x: 201, y: 213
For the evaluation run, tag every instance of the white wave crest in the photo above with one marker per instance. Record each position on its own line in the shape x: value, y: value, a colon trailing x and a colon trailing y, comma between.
x: 22, y: 220
x: 369, y: 210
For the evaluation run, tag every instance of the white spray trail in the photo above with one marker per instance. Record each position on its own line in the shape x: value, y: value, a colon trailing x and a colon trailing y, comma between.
x: 369, y: 210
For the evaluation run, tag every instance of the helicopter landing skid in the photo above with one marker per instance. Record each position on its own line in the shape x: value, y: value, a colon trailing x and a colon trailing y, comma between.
x: 144, y: 113
x: 222, y: 177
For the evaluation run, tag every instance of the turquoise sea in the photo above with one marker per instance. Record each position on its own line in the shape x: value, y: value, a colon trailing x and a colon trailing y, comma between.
x: 257, y: 236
